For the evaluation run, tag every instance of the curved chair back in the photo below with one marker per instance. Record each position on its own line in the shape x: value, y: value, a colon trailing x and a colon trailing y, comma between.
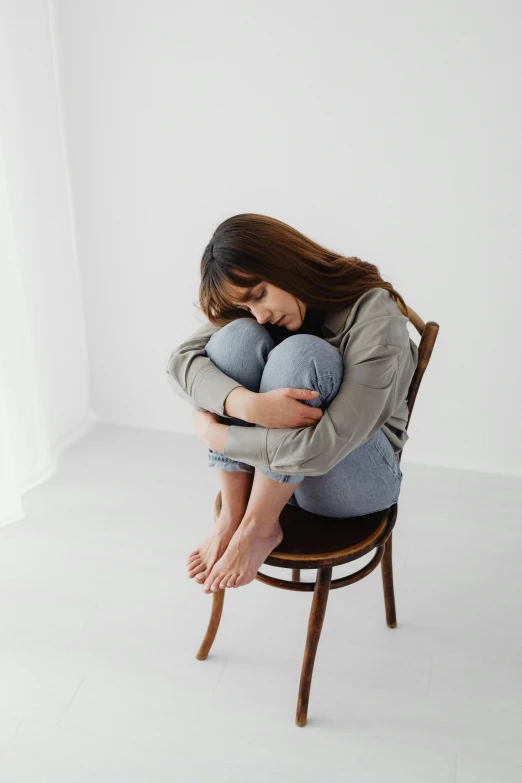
x: 428, y: 333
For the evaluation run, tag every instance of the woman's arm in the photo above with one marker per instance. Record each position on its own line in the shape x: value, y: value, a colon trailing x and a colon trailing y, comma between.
x: 209, y: 430
x: 195, y: 378
x: 366, y: 400
x: 240, y: 404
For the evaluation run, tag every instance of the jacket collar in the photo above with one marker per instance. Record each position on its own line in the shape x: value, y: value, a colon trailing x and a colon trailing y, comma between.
x: 335, y: 320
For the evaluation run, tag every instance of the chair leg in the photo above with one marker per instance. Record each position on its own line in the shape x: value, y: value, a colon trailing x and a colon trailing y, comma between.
x: 217, y: 607
x: 315, y: 624
x: 296, y: 574
x: 387, y: 581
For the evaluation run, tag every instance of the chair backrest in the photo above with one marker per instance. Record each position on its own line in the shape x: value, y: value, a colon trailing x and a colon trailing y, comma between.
x: 428, y: 333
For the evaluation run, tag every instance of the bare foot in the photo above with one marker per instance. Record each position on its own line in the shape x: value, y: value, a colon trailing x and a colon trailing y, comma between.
x: 201, y: 559
x: 248, y: 549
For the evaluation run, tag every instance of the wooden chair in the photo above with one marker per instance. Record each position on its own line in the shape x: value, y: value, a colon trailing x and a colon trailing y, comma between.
x: 314, y: 541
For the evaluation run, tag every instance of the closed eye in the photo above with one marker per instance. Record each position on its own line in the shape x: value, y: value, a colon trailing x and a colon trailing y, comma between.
x: 257, y: 299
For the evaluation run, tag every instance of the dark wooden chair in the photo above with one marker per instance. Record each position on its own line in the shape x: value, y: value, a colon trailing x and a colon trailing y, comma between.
x: 314, y: 541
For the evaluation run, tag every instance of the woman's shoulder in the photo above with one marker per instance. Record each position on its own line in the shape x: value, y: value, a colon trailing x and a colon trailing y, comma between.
x: 377, y: 300
x: 375, y: 319
x: 373, y: 304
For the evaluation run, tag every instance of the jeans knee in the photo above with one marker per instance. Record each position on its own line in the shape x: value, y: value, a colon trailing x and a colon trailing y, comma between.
x: 240, y: 350
x: 305, y: 361
x: 238, y: 333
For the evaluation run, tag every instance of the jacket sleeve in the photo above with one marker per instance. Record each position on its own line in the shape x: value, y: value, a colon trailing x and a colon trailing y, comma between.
x: 195, y: 378
x: 364, y: 402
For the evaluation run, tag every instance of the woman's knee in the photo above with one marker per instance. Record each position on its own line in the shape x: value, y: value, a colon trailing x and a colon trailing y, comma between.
x: 238, y: 336
x: 305, y: 361
x: 240, y: 349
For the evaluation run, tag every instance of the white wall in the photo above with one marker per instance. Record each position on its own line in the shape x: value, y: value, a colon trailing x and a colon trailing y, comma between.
x: 390, y: 131
x: 41, y: 233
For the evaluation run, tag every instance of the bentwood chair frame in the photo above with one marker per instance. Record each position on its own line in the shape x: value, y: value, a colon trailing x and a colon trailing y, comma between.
x: 313, y: 541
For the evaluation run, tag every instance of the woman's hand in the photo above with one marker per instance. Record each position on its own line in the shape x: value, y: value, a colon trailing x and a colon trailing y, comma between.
x: 280, y: 408
x: 204, y: 425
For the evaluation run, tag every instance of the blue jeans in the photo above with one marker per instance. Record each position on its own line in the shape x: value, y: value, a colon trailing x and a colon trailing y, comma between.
x: 366, y: 480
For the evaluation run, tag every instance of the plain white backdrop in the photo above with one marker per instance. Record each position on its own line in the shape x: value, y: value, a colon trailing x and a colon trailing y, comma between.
x: 128, y: 131
x: 386, y: 131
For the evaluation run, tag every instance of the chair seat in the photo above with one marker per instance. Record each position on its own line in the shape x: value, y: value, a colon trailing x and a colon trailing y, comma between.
x: 314, y: 541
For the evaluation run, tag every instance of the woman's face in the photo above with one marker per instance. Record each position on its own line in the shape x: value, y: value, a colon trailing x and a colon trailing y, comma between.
x: 269, y: 304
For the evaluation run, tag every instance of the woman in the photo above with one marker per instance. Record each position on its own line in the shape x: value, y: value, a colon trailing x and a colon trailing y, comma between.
x: 299, y: 384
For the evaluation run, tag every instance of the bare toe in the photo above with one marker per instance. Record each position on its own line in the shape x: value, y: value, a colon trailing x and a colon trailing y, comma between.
x: 196, y: 570
x: 214, y: 581
x: 208, y: 582
x: 215, y: 585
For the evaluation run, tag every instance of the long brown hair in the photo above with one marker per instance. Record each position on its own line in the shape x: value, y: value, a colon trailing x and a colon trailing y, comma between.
x: 249, y: 249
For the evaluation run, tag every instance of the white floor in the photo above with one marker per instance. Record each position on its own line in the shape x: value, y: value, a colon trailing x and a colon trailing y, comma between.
x: 100, y: 625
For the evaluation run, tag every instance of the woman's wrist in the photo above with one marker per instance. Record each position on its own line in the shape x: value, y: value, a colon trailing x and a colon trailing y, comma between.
x: 239, y: 403
x: 217, y: 437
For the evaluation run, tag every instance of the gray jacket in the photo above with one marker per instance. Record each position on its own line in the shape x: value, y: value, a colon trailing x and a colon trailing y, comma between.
x: 379, y: 362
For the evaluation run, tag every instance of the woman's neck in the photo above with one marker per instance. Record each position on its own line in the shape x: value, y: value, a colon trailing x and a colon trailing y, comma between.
x: 312, y: 322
